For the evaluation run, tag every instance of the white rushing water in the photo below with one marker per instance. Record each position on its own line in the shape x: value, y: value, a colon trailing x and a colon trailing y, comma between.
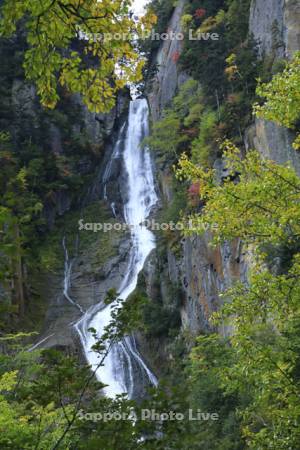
x: 124, y: 364
x: 67, y: 276
x: 139, y: 7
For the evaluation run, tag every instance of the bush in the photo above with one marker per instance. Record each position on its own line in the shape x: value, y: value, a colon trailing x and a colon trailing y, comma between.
x: 204, y: 148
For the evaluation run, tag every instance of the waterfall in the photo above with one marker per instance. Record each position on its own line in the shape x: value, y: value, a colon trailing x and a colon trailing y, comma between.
x: 124, y: 366
x: 67, y: 277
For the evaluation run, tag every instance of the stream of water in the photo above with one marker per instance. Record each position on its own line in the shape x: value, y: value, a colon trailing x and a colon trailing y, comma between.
x: 124, y: 368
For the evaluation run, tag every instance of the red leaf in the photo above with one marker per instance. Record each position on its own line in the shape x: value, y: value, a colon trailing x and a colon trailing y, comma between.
x: 200, y: 13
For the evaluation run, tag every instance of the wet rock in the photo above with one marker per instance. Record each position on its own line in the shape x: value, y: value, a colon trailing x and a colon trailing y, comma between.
x: 90, y: 282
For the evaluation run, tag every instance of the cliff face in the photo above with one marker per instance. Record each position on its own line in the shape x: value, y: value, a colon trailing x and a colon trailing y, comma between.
x: 84, y: 264
x: 267, y: 26
x: 273, y: 142
x: 291, y: 20
x: 274, y: 24
x: 201, y: 271
x: 97, y: 266
x: 168, y: 78
x: 64, y: 152
x: 54, y: 132
x: 198, y: 270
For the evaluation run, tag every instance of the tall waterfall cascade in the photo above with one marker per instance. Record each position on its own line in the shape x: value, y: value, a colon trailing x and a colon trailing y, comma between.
x: 124, y: 367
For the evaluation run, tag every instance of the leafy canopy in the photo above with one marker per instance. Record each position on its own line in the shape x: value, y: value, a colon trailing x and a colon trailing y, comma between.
x: 262, y: 208
x: 93, y: 66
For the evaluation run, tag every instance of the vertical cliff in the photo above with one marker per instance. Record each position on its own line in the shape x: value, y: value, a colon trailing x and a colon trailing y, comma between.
x: 168, y: 78
x: 63, y: 134
x: 200, y: 272
x: 203, y: 272
x: 275, y: 27
x: 63, y: 153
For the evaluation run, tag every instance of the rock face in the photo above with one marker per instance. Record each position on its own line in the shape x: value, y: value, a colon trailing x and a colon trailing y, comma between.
x: 273, y: 142
x: 267, y: 26
x: 203, y: 272
x: 96, y: 262
x: 200, y: 272
x: 53, y: 131
x: 275, y: 25
x: 195, y: 269
x: 99, y: 126
x: 99, y: 264
x: 168, y: 78
x: 92, y: 275
x: 291, y: 21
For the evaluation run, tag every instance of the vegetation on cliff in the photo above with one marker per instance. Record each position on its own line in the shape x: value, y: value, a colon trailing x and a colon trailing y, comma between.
x: 250, y: 374
x: 48, y: 157
x: 281, y: 98
x: 258, y: 201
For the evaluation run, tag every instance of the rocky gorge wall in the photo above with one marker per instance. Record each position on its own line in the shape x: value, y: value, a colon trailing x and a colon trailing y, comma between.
x: 274, y: 25
x: 98, y: 265
x: 51, y: 132
x: 201, y: 271
x: 65, y: 152
x: 197, y: 270
x: 168, y: 78
x: 91, y: 263
x: 83, y: 142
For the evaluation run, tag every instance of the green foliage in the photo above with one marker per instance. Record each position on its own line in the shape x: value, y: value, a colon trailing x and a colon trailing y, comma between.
x: 46, y: 396
x: 198, y: 117
x: 188, y: 97
x: 160, y: 320
x: 46, y: 156
x: 19, y: 209
x: 261, y: 208
x: 209, y: 360
x: 22, y: 417
x: 171, y: 211
x: 173, y: 132
x: 206, y: 61
x: 165, y: 135
x: 204, y: 148
x: 265, y: 317
x: 195, y: 112
x: 258, y: 202
x: 151, y: 316
x: 282, y: 98
x: 50, y: 59
x: 281, y: 95
x: 162, y: 10
x: 41, y: 405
